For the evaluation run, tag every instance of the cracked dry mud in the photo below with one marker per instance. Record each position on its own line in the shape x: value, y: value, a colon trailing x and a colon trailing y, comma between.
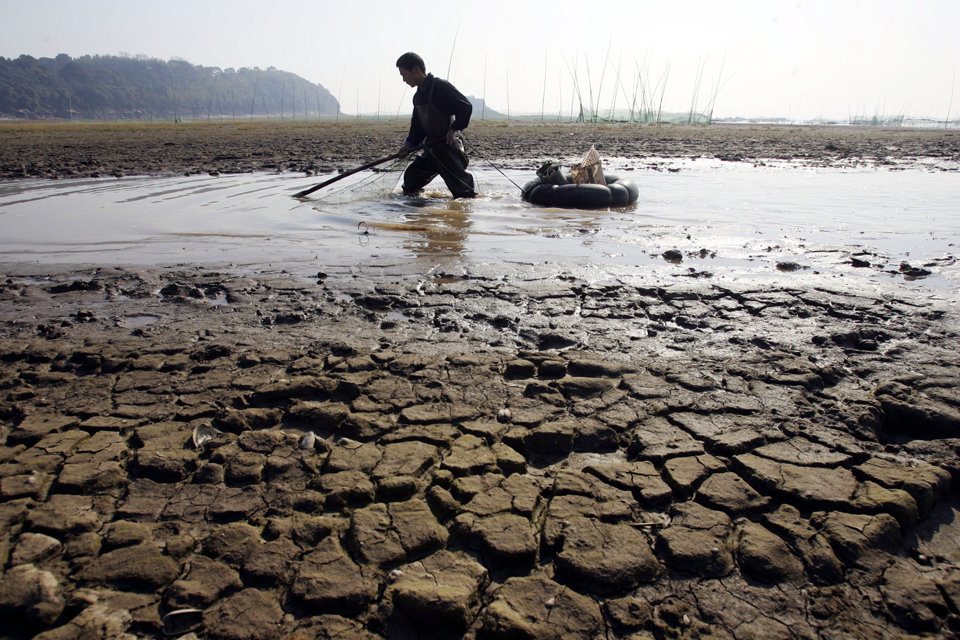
x: 497, y: 455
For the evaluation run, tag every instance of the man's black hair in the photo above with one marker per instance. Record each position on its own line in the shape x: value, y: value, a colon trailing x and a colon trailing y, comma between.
x: 410, y: 60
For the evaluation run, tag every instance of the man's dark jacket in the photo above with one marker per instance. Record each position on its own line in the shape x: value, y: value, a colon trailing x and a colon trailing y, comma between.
x: 444, y: 98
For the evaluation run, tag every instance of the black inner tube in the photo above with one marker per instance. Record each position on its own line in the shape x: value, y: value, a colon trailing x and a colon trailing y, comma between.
x: 618, y: 192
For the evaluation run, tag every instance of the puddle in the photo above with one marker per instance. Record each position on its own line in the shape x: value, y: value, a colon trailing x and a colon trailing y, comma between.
x: 712, y: 220
x: 137, y: 321
x: 28, y: 281
x: 395, y: 317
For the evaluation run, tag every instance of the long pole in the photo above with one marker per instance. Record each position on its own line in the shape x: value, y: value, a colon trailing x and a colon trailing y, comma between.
x: 450, y: 63
x: 340, y: 92
x: 508, y: 94
x: 400, y: 106
x: 253, y: 102
x: 543, y: 100
x: 586, y: 63
x: 602, y: 75
x: 484, y: 109
x: 559, y: 95
x: 953, y: 84
x: 173, y: 93
x: 306, y: 192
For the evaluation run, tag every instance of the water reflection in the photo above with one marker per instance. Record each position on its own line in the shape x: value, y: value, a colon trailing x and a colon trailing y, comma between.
x: 442, y: 229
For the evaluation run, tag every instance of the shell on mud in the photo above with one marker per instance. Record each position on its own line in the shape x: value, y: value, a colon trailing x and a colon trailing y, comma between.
x: 309, y: 440
x: 504, y: 415
x: 182, y: 621
x: 204, y: 433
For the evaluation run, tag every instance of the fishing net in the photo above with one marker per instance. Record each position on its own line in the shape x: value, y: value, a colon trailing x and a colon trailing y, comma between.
x: 375, y: 184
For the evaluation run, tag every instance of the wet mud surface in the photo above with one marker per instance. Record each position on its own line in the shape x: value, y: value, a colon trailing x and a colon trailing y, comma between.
x: 119, y: 149
x: 498, y: 452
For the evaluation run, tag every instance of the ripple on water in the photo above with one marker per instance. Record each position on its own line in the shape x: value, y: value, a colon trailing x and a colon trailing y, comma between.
x: 744, y: 219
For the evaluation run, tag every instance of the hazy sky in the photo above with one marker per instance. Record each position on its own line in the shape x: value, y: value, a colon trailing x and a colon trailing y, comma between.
x: 830, y: 58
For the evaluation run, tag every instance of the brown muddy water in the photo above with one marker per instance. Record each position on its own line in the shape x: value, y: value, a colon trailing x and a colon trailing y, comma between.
x: 694, y: 218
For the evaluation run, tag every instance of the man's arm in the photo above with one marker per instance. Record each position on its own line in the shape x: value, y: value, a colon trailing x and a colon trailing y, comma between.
x: 414, y: 138
x: 451, y: 101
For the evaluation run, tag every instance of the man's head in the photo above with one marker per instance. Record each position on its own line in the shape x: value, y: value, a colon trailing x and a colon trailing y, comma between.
x: 412, y: 68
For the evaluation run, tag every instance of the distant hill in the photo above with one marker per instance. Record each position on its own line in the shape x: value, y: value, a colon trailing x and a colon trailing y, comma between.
x: 481, y: 112
x: 123, y: 87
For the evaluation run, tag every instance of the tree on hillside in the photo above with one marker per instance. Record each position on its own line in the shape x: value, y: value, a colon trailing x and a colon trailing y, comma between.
x: 140, y: 87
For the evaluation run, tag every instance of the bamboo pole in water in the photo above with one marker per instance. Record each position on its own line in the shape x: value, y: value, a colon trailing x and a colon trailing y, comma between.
x: 586, y: 63
x: 253, y: 101
x: 559, y: 95
x: 400, y: 106
x: 543, y: 100
x: 340, y: 92
x: 483, y: 110
x: 953, y: 82
x: 603, y: 74
x: 452, y: 47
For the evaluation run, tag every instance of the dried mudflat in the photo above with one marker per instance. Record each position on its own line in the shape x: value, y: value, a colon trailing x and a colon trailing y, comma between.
x: 494, y: 457
x: 511, y: 452
x: 47, y: 150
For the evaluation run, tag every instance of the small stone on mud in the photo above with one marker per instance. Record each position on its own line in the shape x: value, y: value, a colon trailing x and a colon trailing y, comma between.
x: 788, y: 266
x: 672, y: 255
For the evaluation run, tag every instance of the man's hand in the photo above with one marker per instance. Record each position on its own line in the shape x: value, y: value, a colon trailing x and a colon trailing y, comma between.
x: 451, y: 136
x: 405, y: 150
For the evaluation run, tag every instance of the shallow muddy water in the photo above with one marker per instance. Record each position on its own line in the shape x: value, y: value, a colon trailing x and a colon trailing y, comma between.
x: 726, y: 220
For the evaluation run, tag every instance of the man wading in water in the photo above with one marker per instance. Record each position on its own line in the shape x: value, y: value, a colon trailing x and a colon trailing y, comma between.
x: 439, y: 112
